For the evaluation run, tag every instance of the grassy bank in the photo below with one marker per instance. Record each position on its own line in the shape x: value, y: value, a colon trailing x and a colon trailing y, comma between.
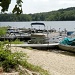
x: 10, y: 61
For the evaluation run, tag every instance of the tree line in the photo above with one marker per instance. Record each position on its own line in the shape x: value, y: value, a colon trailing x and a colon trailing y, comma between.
x: 67, y: 14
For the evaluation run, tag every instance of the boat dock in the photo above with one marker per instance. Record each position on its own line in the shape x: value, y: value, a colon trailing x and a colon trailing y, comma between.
x: 16, y: 36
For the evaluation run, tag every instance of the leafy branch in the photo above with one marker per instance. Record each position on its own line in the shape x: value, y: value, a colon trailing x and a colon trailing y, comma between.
x: 5, y: 5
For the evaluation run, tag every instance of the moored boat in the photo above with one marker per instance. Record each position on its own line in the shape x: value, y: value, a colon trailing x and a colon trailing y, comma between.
x: 67, y: 47
x: 67, y: 44
x: 38, y: 36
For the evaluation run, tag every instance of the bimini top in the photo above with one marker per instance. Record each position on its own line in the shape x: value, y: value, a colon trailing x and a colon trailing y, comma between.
x: 37, y: 24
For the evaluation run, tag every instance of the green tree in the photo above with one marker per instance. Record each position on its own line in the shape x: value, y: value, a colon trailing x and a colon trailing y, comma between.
x: 5, y: 5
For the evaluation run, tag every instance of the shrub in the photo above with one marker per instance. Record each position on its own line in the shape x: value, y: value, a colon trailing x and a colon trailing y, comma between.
x: 10, y: 60
x: 17, y: 41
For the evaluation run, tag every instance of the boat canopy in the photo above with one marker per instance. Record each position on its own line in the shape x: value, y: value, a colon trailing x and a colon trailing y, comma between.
x: 68, y: 41
x: 37, y: 24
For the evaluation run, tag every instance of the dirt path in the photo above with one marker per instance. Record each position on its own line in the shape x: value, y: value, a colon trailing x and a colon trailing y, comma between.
x: 55, y: 63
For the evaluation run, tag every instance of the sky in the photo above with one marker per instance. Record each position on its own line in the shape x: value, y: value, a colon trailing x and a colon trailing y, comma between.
x: 38, y: 6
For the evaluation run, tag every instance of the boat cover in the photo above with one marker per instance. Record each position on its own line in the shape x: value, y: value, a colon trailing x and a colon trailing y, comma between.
x: 68, y: 41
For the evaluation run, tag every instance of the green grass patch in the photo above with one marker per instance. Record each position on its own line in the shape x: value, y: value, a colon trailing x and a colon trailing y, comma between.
x: 29, y: 48
x: 17, y: 41
x: 34, y: 68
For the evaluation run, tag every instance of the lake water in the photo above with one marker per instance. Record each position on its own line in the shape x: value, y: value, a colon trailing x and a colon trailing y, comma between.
x: 69, y: 25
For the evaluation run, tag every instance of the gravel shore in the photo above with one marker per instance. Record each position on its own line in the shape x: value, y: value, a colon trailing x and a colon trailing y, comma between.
x: 54, y: 62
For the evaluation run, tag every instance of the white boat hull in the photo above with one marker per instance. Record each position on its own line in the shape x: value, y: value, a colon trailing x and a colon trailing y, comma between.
x: 67, y: 47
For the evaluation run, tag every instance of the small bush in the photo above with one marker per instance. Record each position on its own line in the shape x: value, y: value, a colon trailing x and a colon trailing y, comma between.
x: 17, y: 41
x: 10, y: 60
